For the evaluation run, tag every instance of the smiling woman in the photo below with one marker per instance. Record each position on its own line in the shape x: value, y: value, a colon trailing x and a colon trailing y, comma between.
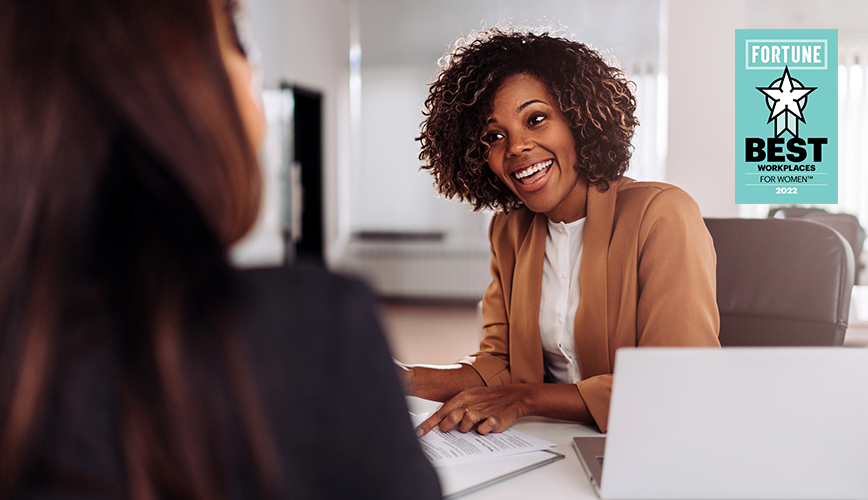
x: 584, y: 260
x: 532, y: 149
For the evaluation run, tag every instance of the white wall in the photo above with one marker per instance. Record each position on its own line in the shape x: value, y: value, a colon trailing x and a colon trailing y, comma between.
x: 306, y: 42
x: 391, y: 192
x: 701, y: 60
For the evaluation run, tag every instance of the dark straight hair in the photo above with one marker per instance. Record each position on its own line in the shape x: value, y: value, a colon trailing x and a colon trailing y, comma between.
x: 125, y: 172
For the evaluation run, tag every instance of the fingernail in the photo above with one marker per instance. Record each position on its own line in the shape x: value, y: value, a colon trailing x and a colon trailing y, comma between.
x: 419, y: 432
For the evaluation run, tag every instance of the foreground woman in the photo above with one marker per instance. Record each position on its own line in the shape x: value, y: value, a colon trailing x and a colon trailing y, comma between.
x: 134, y: 361
x: 584, y: 260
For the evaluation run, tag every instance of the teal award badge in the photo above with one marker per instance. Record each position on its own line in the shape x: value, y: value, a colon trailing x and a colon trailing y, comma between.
x: 786, y: 116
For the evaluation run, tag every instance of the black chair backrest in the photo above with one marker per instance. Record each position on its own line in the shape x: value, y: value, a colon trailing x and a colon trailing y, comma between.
x: 846, y: 224
x: 781, y: 282
x: 788, y: 212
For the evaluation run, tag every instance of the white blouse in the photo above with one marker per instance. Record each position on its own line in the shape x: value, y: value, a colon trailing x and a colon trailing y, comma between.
x: 559, y: 300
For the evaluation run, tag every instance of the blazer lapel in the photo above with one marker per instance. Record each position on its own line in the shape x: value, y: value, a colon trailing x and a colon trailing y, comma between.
x: 525, y: 344
x: 590, y: 328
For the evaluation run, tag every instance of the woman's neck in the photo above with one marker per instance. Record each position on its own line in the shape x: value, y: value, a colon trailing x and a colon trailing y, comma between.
x: 574, y: 206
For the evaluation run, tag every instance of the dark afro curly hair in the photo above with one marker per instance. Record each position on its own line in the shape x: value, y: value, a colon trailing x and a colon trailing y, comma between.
x: 596, y: 98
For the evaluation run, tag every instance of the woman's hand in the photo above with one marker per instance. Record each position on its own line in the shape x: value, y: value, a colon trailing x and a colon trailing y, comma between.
x: 491, y: 409
x: 496, y: 408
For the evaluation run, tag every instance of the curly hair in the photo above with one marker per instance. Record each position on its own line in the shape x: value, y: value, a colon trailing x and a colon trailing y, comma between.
x: 596, y: 98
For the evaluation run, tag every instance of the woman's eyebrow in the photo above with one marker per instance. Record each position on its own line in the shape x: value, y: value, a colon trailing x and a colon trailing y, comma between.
x: 528, y: 103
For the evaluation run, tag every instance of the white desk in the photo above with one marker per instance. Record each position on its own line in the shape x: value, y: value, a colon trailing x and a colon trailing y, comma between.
x: 562, y: 479
x: 857, y: 329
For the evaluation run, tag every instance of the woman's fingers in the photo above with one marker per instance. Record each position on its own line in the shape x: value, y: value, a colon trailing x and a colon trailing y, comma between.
x: 446, y: 417
x: 451, y: 419
x: 490, y: 424
x: 487, y: 409
x: 469, y: 420
x: 427, y: 425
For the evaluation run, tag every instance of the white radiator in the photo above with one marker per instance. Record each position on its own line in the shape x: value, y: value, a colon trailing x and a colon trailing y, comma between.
x: 408, y: 270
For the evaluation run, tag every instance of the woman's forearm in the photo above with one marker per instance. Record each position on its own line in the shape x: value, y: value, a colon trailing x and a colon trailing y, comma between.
x: 438, y: 382
x: 561, y: 401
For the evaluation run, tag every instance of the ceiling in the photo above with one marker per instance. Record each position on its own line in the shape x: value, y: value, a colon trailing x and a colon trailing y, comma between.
x: 414, y: 31
x: 420, y: 31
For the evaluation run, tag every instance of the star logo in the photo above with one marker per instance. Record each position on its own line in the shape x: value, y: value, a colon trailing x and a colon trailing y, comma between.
x: 786, y: 97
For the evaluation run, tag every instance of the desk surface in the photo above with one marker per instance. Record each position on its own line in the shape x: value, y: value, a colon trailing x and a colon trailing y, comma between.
x: 562, y: 479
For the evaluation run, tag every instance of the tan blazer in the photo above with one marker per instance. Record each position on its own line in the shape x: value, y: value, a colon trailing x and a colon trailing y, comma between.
x: 647, y: 278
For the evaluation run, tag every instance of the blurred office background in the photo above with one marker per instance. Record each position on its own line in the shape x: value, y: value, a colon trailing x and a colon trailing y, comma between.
x: 356, y: 72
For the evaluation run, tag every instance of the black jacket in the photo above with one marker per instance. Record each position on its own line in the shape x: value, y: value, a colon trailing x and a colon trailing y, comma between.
x: 327, y: 382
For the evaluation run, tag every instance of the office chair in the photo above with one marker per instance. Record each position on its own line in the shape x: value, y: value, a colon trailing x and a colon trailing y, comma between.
x: 781, y: 282
x: 789, y: 212
x: 846, y: 224
x: 849, y: 227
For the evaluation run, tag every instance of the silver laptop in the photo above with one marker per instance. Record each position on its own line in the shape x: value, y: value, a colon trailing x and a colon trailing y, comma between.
x: 734, y: 423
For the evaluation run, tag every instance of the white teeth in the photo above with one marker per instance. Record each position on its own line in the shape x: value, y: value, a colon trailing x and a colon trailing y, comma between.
x: 533, y: 169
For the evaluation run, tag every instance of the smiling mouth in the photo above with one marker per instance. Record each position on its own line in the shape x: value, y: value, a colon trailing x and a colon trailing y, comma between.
x: 533, y: 173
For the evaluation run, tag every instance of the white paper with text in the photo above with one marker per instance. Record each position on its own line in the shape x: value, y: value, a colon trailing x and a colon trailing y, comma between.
x: 453, y: 447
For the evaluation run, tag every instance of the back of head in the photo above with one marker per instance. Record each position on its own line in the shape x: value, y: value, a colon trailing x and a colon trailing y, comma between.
x: 125, y: 172
x: 79, y: 74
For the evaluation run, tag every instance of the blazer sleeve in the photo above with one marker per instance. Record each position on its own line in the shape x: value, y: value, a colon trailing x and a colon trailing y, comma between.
x: 677, y: 275
x: 676, y: 288
x: 492, y: 360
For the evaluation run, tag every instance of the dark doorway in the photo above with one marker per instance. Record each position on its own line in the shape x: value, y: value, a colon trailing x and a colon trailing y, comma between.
x: 308, y: 151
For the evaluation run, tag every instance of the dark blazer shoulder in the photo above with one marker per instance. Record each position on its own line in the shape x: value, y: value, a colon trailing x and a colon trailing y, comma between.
x: 299, y: 292
x: 281, y: 308
x: 296, y: 280
x: 317, y: 352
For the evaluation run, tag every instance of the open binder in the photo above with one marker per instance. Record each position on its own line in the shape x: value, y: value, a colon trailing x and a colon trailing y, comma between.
x: 503, y: 455
x: 461, y: 479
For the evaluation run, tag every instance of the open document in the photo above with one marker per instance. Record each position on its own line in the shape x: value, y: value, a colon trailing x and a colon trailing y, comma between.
x: 453, y: 447
x: 466, y: 462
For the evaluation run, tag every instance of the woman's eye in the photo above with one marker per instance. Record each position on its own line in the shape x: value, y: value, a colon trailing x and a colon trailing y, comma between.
x: 492, y: 137
x: 535, y: 119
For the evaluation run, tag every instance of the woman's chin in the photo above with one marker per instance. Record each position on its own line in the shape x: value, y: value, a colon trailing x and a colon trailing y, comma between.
x: 536, y: 205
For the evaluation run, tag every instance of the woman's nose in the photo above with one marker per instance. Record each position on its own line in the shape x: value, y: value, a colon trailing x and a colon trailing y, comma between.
x: 519, y: 143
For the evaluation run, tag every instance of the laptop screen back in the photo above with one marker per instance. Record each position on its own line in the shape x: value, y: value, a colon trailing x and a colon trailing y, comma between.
x: 738, y: 423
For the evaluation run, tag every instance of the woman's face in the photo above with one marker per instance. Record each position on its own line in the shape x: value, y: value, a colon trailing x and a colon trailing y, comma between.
x: 533, y: 150
x: 243, y: 77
